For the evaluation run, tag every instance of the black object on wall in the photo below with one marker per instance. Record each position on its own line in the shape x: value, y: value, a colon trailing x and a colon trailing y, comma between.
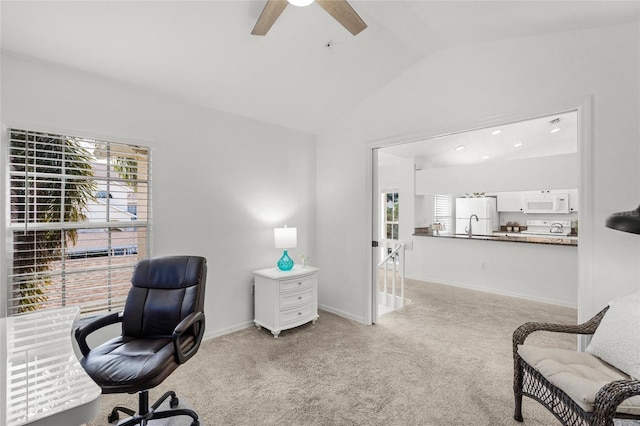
x: 625, y: 221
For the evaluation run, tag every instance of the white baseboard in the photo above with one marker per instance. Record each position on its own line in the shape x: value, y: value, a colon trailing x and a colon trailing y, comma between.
x: 499, y: 292
x: 211, y: 334
x: 342, y: 314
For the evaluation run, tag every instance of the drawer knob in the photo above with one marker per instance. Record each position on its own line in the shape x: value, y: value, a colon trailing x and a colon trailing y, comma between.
x: 299, y: 283
x: 299, y: 297
x: 299, y: 313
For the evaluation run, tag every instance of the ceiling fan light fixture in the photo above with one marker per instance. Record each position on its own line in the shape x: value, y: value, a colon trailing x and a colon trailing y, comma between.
x: 300, y: 3
x: 340, y: 10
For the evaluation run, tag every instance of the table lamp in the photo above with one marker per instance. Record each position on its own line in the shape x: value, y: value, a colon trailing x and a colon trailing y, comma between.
x: 625, y: 221
x: 285, y: 238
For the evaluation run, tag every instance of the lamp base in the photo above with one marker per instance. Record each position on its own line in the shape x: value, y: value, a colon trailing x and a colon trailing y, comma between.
x: 285, y: 263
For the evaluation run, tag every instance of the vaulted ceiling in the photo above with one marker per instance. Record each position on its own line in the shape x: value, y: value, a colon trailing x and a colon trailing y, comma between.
x: 307, y: 71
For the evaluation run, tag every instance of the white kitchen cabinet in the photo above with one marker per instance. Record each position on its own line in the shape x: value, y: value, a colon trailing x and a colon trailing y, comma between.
x: 285, y: 299
x: 510, y: 201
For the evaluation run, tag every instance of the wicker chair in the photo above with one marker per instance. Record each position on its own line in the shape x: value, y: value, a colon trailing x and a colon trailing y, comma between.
x: 530, y: 382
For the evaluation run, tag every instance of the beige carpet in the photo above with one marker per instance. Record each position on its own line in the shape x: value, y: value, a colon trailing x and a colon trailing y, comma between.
x: 445, y: 359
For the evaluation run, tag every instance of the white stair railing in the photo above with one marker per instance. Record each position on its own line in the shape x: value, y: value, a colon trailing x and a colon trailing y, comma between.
x: 396, y: 302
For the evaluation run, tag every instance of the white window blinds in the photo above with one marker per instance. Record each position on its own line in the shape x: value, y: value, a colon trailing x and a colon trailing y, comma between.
x: 79, y: 215
x: 443, y: 211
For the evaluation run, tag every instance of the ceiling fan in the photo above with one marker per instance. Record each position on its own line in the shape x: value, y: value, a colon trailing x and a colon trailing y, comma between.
x: 339, y: 9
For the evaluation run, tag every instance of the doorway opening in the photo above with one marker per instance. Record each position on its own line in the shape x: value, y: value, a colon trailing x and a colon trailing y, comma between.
x: 536, y: 152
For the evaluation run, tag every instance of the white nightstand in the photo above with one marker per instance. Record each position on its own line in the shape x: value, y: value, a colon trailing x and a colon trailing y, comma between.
x: 285, y: 299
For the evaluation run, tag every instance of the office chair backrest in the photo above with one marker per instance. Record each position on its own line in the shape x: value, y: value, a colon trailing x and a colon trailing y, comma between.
x: 164, y: 291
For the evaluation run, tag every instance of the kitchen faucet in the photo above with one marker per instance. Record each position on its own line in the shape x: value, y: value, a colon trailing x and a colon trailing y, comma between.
x: 469, y: 229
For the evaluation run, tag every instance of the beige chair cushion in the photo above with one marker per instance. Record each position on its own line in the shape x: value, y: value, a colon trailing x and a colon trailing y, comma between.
x: 580, y: 375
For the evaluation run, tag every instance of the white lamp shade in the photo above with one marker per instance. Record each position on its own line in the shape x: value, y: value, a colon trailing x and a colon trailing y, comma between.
x: 285, y: 237
x: 300, y: 3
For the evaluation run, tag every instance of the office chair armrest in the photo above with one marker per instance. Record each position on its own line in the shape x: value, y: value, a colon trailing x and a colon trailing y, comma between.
x: 195, y: 320
x: 83, y: 331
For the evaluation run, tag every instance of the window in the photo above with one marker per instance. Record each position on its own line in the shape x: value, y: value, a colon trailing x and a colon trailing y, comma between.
x: 79, y: 216
x: 391, y: 215
x: 442, y: 211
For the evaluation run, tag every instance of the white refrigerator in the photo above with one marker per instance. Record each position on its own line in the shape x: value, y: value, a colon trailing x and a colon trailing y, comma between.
x: 485, y: 208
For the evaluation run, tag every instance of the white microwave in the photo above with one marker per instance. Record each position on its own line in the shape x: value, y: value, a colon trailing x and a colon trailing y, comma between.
x: 546, y: 203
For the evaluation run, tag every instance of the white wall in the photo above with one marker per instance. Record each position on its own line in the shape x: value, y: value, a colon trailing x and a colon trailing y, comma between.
x: 220, y: 182
x: 465, y: 86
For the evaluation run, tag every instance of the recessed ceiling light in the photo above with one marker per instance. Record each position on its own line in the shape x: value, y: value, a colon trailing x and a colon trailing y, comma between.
x: 460, y: 148
x: 496, y: 132
x: 486, y: 157
x: 517, y: 145
x: 557, y: 129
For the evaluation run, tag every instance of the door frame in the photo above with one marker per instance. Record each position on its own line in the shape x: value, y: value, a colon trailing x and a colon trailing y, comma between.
x: 583, y: 107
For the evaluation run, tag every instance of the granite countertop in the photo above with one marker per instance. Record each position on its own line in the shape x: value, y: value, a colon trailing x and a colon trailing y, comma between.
x: 510, y: 237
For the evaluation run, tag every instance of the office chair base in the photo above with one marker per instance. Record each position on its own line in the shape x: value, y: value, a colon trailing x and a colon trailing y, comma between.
x: 145, y: 414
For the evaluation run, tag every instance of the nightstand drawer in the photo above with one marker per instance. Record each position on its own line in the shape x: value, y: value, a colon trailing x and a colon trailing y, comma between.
x: 297, y: 284
x: 291, y: 299
x: 301, y: 313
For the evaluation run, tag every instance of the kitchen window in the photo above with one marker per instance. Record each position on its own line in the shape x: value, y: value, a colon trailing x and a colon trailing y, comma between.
x: 443, y: 212
x: 79, y: 220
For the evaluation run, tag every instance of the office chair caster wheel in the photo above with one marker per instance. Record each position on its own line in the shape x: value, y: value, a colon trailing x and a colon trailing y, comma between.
x: 174, y: 402
x: 195, y: 423
x: 113, y: 417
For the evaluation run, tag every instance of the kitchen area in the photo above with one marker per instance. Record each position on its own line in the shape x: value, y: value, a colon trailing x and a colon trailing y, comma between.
x: 508, y: 224
x: 537, y: 217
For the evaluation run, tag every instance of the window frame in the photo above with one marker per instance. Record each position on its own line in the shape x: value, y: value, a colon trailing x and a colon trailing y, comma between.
x: 385, y: 222
x: 142, y: 155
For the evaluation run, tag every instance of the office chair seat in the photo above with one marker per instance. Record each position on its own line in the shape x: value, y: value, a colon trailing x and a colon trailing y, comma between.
x: 127, y: 365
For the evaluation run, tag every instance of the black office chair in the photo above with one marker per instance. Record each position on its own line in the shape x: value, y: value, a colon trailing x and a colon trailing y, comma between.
x: 162, y: 327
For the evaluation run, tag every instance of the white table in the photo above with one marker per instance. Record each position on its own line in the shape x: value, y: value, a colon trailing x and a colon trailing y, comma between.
x: 42, y: 381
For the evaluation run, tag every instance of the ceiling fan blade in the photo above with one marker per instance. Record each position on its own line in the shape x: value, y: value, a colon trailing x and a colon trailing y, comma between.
x: 269, y: 14
x: 344, y: 14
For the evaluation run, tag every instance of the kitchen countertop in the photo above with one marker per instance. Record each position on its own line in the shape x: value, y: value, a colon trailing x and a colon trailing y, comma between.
x: 513, y: 237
